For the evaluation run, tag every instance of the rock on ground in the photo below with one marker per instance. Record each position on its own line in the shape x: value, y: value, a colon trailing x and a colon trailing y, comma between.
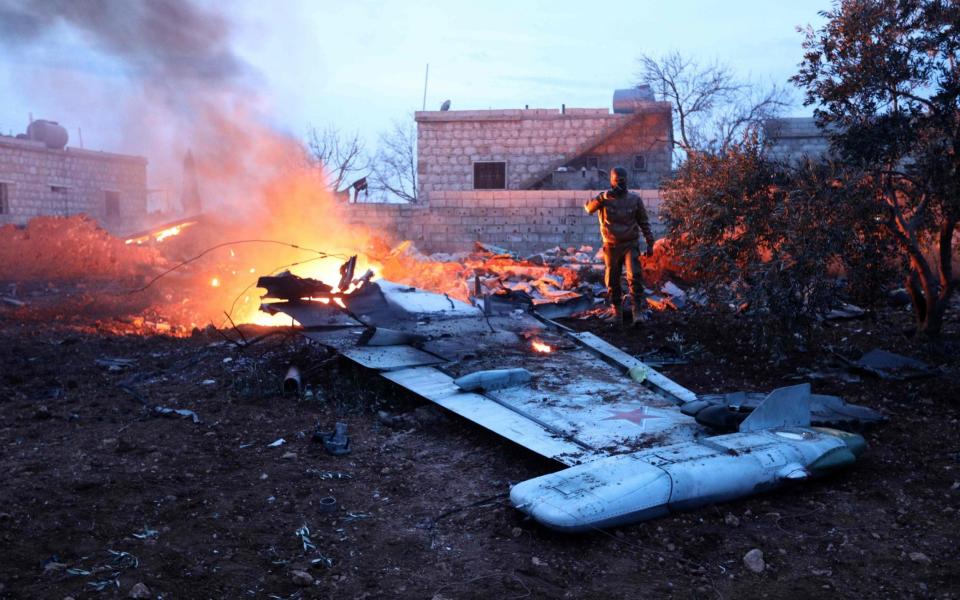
x: 302, y: 578
x: 754, y: 560
x: 139, y: 591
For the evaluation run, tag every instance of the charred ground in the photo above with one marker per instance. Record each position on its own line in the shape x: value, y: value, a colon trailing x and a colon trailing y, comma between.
x: 89, y: 467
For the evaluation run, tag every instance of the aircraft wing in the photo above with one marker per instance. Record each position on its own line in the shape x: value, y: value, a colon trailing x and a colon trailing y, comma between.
x: 580, y: 403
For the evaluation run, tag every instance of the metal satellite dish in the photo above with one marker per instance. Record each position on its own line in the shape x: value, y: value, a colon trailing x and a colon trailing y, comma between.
x: 445, y: 106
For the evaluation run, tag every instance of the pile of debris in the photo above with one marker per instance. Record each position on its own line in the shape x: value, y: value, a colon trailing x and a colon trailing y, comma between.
x: 560, y: 281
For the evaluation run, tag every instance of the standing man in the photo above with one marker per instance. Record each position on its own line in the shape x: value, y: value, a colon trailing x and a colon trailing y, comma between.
x: 622, y: 219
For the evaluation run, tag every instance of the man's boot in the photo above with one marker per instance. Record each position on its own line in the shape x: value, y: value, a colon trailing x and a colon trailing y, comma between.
x: 613, y: 314
x: 641, y: 314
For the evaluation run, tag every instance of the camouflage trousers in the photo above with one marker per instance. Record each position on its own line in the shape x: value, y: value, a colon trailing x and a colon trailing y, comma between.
x: 615, y: 258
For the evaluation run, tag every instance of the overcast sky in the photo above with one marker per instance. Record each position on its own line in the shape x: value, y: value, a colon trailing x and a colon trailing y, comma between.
x: 360, y: 65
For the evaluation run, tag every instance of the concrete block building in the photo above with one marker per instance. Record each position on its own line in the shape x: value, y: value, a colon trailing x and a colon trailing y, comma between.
x: 791, y: 139
x: 534, y: 149
x: 519, y: 177
x: 41, y: 176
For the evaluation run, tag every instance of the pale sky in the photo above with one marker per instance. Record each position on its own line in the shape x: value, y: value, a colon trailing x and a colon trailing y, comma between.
x: 360, y: 65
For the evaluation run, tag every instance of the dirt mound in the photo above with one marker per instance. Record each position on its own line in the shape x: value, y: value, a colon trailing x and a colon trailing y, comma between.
x: 63, y: 248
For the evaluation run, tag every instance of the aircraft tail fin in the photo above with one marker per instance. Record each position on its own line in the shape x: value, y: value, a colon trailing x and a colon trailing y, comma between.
x: 783, y: 407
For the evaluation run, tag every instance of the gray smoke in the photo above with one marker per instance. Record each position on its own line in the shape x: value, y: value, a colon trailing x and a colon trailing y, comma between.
x: 158, y: 39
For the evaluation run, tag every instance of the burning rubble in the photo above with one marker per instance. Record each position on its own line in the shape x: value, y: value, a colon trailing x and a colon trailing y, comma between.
x: 186, y: 274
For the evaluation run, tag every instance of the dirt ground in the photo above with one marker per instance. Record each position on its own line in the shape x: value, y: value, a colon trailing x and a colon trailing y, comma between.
x: 103, y: 492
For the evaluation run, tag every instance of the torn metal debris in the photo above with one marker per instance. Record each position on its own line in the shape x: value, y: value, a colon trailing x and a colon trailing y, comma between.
x: 726, y: 412
x: 337, y: 442
x: 180, y: 412
x: 292, y: 381
x: 888, y: 365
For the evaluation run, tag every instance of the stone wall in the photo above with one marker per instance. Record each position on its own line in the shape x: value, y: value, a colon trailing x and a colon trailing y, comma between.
x: 535, y: 142
x: 40, y: 181
x: 791, y: 139
x: 522, y: 221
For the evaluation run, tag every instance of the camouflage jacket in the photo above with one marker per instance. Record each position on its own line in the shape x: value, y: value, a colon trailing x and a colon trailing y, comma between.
x: 622, y: 217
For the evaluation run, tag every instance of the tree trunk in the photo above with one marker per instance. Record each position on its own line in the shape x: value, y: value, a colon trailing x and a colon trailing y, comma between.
x: 917, y: 299
x: 933, y: 324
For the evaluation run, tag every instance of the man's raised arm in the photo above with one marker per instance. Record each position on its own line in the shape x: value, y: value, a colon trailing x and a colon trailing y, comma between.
x: 594, y: 204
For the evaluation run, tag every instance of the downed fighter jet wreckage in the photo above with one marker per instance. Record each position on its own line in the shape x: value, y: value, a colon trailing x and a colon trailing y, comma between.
x: 633, y: 440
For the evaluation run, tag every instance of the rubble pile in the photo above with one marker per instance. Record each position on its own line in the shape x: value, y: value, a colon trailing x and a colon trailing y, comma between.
x: 570, y: 276
x: 64, y: 248
x: 554, y: 275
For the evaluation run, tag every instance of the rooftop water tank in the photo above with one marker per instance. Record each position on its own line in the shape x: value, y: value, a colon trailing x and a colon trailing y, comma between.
x: 51, y: 133
x: 627, y: 101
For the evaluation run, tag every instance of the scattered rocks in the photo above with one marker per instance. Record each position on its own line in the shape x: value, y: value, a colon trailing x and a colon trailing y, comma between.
x: 301, y: 578
x: 731, y: 520
x: 516, y: 532
x: 919, y: 557
x: 139, y: 591
x: 537, y: 562
x: 754, y: 560
x: 289, y: 455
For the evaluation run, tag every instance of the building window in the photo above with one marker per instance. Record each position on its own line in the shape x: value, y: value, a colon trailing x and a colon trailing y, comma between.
x: 61, y: 199
x: 639, y: 162
x: 4, y: 198
x: 592, y: 162
x: 111, y: 206
x: 490, y: 176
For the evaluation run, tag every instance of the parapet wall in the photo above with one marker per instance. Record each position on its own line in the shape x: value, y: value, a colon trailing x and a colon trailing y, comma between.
x: 523, y: 221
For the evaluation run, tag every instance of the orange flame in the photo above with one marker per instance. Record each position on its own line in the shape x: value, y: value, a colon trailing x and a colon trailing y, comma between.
x: 539, y: 346
x: 658, y: 305
x: 170, y: 232
x: 159, y: 236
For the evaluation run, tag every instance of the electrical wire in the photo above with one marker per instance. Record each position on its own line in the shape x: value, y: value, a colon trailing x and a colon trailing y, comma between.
x: 233, y: 243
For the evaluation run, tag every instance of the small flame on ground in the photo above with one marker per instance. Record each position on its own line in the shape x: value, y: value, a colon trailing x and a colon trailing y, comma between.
x: 658, y: 305
x: 539, y: 346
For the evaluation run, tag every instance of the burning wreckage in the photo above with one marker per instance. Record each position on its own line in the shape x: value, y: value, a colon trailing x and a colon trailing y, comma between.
x: 637, y: 445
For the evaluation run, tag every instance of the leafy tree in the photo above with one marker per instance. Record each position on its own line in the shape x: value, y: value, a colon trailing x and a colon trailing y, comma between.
x: 760, y: 234
x: 885, y: 78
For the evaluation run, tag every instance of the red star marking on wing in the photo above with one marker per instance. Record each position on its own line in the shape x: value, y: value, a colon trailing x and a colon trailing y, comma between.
x: 636, y: 416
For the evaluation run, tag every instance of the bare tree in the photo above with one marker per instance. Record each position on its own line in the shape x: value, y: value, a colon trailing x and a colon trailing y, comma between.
x: 341, y: 157
x: 395, y: 164
x: 714, y: 108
